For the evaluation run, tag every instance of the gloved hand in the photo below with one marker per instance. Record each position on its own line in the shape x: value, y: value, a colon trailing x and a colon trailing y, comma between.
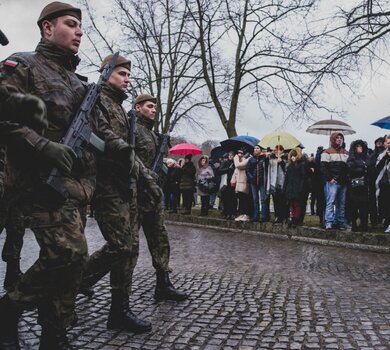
x: 126, y: 156
x: 60, y: 155
x: 154, y: 189
x: 28, y: 110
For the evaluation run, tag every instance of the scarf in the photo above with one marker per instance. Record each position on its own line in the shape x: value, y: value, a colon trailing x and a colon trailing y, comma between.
x: 275, y: 179
x: 381, y: 174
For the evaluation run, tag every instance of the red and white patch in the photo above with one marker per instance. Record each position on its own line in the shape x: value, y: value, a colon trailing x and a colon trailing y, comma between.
x: 10, y: 63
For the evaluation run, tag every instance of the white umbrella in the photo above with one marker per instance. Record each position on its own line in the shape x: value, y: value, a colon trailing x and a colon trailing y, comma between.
x: 326, y: 127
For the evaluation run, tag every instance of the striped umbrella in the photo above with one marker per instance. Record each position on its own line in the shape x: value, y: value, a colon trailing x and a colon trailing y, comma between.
x: 327, y: 126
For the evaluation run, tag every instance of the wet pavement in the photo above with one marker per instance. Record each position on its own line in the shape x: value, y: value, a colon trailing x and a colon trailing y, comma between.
x: 246, y: 292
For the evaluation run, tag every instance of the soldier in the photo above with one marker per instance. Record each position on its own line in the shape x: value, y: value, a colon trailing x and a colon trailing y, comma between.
x: 52, y: 282
x: 112, y: 209
x: 150, y: 213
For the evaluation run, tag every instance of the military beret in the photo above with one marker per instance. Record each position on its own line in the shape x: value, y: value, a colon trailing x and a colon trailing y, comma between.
x: 57, y: 9
x: 121, y: 61
x: 143, y: 98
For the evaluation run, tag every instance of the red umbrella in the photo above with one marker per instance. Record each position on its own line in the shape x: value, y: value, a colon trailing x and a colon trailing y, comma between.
x: 185, y: 148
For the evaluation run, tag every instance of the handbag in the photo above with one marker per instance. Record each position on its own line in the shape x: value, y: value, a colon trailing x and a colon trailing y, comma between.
x: 358, y: 182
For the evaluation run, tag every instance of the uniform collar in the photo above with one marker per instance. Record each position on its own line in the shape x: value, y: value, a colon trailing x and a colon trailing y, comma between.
x: 57, y: 54
x: 146, y: 122
x: 116, y: 94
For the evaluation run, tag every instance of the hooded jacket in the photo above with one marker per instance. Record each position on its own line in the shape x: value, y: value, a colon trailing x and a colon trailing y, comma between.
x: 358, y: 163
x: 295, y: 183
x: 334, y: 161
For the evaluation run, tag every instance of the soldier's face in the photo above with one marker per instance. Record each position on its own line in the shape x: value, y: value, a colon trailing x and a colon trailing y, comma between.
x: 65, y: 32
x: 120, y: 78
x: 148, y: 109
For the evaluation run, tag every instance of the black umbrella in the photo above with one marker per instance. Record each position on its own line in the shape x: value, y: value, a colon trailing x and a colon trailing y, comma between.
x: 217, y: 152
x: 246, y: 143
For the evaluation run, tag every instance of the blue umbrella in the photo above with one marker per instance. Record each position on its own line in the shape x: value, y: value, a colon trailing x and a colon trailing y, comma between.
x: 247, y: 143
x: 383, y: 123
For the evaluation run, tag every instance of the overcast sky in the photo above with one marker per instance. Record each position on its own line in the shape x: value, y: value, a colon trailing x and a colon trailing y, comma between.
x: 18, y: 22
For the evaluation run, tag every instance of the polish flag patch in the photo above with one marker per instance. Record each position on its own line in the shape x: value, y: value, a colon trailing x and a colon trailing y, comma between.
x: 10, y: 63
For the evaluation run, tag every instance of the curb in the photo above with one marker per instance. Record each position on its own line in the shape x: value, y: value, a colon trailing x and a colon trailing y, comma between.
x: 379, y: 243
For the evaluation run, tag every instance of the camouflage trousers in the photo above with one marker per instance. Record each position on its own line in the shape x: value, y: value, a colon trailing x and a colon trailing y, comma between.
x: 52, y: 282
x: 112, y: 214
x: 156, y: 235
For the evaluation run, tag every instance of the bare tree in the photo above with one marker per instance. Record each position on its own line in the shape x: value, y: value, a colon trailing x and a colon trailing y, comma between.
x: 154, y: 33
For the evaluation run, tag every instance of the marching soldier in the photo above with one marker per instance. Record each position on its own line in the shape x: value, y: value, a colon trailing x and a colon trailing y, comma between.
x: 112, y: 209
x: 52, y: 282
x: 150, y: 213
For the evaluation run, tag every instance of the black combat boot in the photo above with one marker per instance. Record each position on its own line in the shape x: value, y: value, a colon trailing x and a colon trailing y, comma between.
x: 121, y: 317
x: 165, y: 289
x: 12, y: 274
x: 54, y: 338
x: 9, y: 317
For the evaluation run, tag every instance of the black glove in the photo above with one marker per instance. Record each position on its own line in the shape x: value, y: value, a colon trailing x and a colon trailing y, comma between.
x: 28, y: 110
x: 60, y: 155
x: 126, y: 156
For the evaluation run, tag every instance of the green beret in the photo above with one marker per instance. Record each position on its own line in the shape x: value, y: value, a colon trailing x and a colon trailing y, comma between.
x: 57, y: 9
x: 121, y: 61
x: 143, y: 98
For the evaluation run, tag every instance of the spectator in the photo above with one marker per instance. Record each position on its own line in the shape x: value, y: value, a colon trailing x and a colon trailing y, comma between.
x: 205, y: 181
x: 376, y: 211
x: 383, y: 181
x: 214, y: 192
x: 275, y: 183
x: 239, y: 178
x: 334, y: 171
x: 319, y: 185
x: 187, y: 183
x: 256, y: 172
x: 296, y: 185
x: 171, y: 186
x: 227, y: 192
x: 358, y: 164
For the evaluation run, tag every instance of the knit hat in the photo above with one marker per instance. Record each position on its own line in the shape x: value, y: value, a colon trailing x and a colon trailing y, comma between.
x: 188, y: 156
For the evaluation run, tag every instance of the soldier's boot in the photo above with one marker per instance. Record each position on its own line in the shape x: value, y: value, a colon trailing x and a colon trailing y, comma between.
x: 9, y: 317
x: 12, y: 274
x: 121, y: 317
x: 165, y: 289
x: 54, y: 338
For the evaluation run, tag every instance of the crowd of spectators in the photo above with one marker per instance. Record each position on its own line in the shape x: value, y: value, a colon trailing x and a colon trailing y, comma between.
x: 347, y: 189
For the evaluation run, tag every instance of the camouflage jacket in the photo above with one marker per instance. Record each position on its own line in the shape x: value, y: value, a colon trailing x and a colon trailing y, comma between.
x: 49, y: 73
x: 112, y: 176
x: 146, y: 141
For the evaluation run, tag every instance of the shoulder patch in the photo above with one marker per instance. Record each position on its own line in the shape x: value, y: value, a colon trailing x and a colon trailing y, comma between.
x: 11, y: 63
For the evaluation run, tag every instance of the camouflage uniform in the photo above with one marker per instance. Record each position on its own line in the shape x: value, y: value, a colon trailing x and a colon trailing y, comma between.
x: 52, y: 282
x: 150, y: 214
x: 111, y: 203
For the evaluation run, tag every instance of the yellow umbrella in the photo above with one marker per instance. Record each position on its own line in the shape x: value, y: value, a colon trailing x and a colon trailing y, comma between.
x: 283, y: 138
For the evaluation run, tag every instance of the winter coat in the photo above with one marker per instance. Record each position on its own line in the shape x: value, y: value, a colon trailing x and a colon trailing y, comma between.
x: 334, y: 162
x: 227, y: 167
x: 187, y: 176
x: 172, y: 180
x: 257, y: 170
x: 239, y: 176
x: 295, y: 185
x: 204, y: 174
x: 358, y: 163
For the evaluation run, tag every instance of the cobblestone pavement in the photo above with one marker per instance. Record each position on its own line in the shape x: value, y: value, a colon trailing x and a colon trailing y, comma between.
x: 247, y: 292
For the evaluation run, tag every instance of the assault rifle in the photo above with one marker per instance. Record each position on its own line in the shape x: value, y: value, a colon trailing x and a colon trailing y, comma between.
x: 132, y: 121
x: 158, y: 164
x: 79, y: 136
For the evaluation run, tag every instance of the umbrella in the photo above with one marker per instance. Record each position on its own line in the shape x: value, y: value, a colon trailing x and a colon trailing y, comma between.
x: 217, y: 152
x: 283, y: 138
x: 185, y: 148
x: 383, y: 123
x: 326, y: 127
x: 247, y: 143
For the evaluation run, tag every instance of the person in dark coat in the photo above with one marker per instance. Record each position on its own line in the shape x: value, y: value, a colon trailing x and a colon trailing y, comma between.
x: 187, y: 183
x: 295, y: 184
x: 358, y: 165
x: 171, y: 186
x: 228, y: 194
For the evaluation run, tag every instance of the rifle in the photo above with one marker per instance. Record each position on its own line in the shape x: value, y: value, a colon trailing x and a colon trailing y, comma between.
x: 132, y: 119
x: 79, y: 136
x: 158, y: 164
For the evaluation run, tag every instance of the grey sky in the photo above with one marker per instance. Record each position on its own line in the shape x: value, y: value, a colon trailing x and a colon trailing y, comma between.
x: 18, y: 22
